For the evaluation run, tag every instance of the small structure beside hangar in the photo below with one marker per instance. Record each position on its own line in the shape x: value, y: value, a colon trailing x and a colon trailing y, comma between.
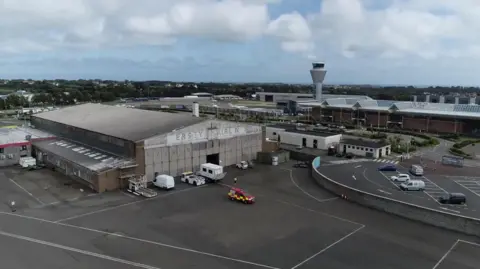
x: 16, y: 142
x: 367, y: 148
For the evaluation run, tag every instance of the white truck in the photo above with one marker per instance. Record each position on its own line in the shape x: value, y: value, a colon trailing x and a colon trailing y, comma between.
x: 242, y: 165
x: 192, y: 179
x: 211, y: 172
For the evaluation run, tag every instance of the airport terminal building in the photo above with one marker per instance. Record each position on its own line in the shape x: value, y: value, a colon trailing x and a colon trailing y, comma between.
x: 104, y: 146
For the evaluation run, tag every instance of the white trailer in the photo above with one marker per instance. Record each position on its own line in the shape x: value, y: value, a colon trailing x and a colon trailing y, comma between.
x: 211, y: 172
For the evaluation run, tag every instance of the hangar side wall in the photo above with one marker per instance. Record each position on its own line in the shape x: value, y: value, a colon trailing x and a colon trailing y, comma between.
x: 107, y: 143
x: 174, y: 160
x: 66, y: 167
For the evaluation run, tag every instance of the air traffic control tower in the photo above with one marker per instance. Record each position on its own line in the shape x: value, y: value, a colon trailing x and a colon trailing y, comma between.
x: 318, y: 73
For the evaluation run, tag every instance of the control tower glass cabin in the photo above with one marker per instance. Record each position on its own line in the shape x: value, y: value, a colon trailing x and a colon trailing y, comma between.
x: 318, y: 73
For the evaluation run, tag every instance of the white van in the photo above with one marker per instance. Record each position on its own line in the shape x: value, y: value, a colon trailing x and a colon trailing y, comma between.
x: 164, y: 182
x: 416, y: 170
x: 413, y: 185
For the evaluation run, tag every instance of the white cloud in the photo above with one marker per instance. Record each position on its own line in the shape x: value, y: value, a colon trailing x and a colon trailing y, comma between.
x: 293, y: 31
x: 426, y: 29
x: 421, y: 28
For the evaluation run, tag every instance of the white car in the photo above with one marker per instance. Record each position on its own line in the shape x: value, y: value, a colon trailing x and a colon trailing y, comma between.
x: 242, y: 165
x: 400, y: 178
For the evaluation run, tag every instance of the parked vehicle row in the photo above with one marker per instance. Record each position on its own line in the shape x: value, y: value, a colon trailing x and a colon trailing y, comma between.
x: 408, y: 184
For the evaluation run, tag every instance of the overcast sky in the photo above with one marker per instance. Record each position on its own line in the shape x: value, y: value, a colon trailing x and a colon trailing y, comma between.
x: 420, y: 42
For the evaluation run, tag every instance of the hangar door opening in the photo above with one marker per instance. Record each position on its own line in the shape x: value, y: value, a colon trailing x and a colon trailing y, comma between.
x: 214, y: 158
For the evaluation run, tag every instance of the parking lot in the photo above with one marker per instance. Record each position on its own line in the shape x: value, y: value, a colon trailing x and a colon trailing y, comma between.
x: 365, y: 176
x: 294, y: 224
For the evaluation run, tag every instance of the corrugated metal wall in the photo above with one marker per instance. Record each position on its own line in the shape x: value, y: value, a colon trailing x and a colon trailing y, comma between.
x: 175, y: 160
x: 66, y: 167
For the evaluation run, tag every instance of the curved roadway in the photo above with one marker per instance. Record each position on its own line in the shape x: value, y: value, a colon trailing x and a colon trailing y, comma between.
x: 387, y: 241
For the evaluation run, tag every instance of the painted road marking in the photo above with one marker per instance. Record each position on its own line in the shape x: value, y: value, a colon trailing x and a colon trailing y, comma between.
x: 29, y: 193
x: 385, y: 192
x: 84, y: 252
x: 450, y: 210
x: 328, y: 247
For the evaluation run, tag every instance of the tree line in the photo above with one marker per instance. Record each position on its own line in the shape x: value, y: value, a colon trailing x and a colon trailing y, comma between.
x: 66, y: 92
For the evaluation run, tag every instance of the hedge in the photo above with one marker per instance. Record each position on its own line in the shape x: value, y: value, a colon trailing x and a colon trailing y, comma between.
x: 429, y: 141
x: 459, y: 152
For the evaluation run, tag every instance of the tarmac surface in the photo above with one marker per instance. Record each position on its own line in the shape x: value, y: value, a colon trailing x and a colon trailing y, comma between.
x: 294, y: 224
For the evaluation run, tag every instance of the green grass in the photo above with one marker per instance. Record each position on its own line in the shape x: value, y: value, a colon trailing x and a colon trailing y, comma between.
x: 6, y: 91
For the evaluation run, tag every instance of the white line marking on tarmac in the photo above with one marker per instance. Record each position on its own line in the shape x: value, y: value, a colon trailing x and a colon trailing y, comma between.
x: 445, y: 255
x: 386, y: 192
x: 305, y: 192
x: 373, y: 182
x: 84, y: 252
x: 306, y: 208
x: 140, y: 240
x: 29, y: 193
x: 127, y: 204
x: 354, y: 178
x: 389, y: 180
x: 328, y: 247
x: 469, y: 242
x: 450, y: 210
x: 468, y: 189
x: 358, y: 166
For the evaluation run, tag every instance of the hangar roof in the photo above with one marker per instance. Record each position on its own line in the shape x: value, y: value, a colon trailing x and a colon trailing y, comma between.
x: 121, y: 122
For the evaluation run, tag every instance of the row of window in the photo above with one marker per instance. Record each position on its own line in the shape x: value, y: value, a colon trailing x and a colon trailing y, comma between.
x: 2, y: 150
x: 360, y: 148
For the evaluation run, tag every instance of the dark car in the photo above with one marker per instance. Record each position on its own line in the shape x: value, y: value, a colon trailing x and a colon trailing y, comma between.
x: 300, y: 165
x: 453, y: 198
x: 388, y: 167
x: 340, y: 155
x: 350, y: 156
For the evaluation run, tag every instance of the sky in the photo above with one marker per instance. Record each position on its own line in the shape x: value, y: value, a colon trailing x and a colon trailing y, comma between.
x: 407, y: 42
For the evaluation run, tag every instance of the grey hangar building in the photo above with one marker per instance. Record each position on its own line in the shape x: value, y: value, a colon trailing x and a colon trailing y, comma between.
x: 104, y: 146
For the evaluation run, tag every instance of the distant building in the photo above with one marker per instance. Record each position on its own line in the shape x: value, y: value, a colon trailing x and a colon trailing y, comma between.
x: 367, y: 148
x: 303, y: 137
x: 202, y: 94
x: 16, y: 142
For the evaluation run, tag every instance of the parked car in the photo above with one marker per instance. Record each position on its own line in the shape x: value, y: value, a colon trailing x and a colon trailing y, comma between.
x: 453, y: 198
x: 416, y: 170
x: 413, y: 185
x: 350, y: 156
x: 400, y: 178
x: 340, y: 155
x: 387, y: 168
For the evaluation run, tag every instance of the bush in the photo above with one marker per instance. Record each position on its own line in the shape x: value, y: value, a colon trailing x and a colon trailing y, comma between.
x: 464, y: 143
x: 459, y: 152
x: 452, y: 137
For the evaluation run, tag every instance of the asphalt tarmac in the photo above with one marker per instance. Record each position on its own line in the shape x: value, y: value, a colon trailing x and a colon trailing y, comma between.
x: 294, y: 224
